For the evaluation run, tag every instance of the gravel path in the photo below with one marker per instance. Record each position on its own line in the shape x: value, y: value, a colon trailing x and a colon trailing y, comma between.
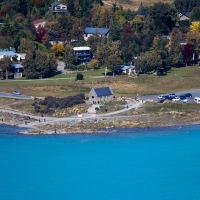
x: 74, y: 119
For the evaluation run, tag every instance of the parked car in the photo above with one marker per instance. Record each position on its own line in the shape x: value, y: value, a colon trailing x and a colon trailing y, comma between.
x: 168, y: 98
x: 161, y: 101
x: 176, y: 99
x: 196, y: 99
x: 17, y: 93
x: 182, y: 97
x: 161, y: 96
x: 185, y: 101
x: 172, y: 95
x: 188, y: 94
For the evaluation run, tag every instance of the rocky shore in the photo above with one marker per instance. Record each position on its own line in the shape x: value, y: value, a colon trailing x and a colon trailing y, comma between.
x: 99, y: 124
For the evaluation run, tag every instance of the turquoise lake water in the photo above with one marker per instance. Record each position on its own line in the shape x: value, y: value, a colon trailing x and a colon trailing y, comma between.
x: 155, y: 163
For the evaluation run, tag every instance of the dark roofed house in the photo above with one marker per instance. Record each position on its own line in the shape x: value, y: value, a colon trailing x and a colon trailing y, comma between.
x: 58, y: 7
x: 184, y: 15
x: 90, y: 31
x: 101, y: 94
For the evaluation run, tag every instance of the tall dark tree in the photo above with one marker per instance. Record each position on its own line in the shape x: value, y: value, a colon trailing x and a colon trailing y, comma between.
x: 164, y: 16
x: 195, y: 15
x: 5, y: 63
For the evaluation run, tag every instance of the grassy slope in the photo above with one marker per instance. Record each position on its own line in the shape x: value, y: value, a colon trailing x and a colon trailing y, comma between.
x: 178, y: 79
x: 135, y: 3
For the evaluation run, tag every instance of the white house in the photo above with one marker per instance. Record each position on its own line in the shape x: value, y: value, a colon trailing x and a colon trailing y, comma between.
x: 58, y: 7
x: 11, y: 54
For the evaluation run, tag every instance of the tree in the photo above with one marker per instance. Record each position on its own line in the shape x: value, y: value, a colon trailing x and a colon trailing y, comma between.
x: 164, y: 16
x: 113, y: 62
x: 58, y: 50
x: 195, y: 15
x: 142, y: 10
x: 188, y: 53
x: 5, y: 63
x: 38, y: 65
x: 94, y: 63
x: 79, y: 76
x: 40, y: 33
x: 69, y: 56
x: 195, y: 26
x: 193, y: 38
x: 26, y: 45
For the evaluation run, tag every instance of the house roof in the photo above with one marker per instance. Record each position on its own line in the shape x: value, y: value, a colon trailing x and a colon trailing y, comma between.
x: 82, y: 48
x: 16, y: 66
x: 56, y: 3
x: 8, y: 49
x: 38, y: 21
x: 7, y: 53
x: 92, y: 30
x: 105, y: 91
x: 187, y: 14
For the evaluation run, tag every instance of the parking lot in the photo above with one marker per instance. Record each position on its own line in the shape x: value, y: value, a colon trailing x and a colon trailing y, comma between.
x: 195, y: 93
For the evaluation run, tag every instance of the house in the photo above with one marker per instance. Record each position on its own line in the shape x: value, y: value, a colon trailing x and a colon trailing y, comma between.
x: 38, y: 22
x: 58, y: 7
x: 182, y: 42
x: 125, y: 69
x: 184, y: 15
x: 8, y: 49
x: 90, y: 31
x: 84, y: 54
x: 11, y: 54
x: 98, y: 95
x: 17, y: 70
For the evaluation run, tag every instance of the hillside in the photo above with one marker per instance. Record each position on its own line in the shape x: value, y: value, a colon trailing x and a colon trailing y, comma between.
x: 134, y: 4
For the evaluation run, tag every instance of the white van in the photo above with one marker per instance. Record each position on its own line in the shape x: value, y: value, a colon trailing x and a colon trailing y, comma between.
x: 196, y: 99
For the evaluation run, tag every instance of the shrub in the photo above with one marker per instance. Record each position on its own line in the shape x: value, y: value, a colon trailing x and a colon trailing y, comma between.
x: 79, y: 76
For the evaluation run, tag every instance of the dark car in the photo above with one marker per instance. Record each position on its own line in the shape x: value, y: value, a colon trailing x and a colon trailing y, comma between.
x: 182, y: 97
x: 169, y: 97
x: 188, y: 94
x: 161, y: 101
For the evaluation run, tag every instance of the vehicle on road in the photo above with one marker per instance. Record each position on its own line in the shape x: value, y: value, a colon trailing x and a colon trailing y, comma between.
x: 185, y: 101
x: 161, y: 96
x: 172, y: 95
x: 176, y: 99
x: 188, y: 94
x: 182, y: 97
x: 169, y: 98
x: 196, y: 99
x: 17, y: 93
x: 161, y: 101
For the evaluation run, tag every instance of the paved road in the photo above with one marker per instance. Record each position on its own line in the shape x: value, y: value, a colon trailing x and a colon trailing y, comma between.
x: 13, y: 96
x: 195, y: 93
x: 47, y: 79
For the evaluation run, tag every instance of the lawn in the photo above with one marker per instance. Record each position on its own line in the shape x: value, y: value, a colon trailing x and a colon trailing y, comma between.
x: 178, y: 79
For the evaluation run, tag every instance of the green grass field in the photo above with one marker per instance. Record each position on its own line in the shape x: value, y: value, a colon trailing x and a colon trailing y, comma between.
x: 178, y: 79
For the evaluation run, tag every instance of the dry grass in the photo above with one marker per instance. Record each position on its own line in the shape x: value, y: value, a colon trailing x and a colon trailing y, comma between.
x: 178, y: 79
x: 134, y: 3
